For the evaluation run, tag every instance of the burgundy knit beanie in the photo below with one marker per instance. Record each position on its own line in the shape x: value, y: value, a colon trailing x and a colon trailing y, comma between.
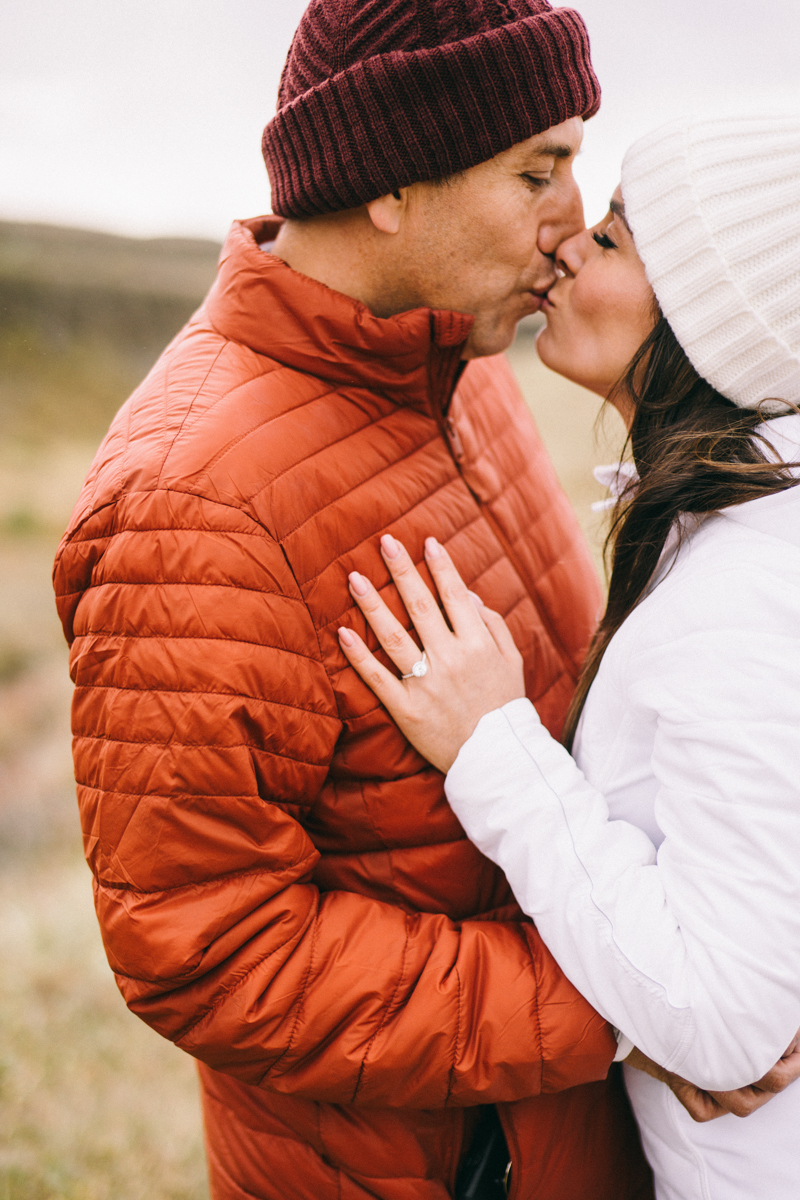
x: 378, y: 94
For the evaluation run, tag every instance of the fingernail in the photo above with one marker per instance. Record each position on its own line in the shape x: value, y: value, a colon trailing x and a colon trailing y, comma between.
x: 432, y: 548
x: 346, y: 637
x: 390, y: 547
x: 358, y: 583
x: 476, y: 600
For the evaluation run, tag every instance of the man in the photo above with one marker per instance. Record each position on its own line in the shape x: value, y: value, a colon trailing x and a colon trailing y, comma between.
x: 282, y: 888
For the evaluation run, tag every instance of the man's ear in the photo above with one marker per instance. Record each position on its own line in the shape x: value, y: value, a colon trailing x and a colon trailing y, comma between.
x: 386, y: 213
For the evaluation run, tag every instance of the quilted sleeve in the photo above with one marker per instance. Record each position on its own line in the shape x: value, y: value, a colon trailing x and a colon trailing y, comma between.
x: 203, y: 720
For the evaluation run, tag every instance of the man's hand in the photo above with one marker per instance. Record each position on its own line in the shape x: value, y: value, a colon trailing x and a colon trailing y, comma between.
x: 705, y: 1106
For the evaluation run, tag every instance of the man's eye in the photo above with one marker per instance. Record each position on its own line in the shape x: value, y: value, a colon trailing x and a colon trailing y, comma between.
x: 604, y: 240
x: 536, y: 181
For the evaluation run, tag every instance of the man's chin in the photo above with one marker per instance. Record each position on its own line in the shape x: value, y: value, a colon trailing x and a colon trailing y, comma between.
x: 485, y: 340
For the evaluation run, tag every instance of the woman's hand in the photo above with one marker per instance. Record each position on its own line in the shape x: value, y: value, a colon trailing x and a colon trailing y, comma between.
x: 473, y: 668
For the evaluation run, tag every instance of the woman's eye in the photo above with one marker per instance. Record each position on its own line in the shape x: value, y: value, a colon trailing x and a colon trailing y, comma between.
x: 604, y: 240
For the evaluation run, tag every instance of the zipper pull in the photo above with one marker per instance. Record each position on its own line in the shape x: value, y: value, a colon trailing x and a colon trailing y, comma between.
x: 453, y: 439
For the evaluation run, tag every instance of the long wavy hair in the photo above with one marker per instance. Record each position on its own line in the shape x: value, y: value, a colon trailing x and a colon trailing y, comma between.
x: 694, y: 452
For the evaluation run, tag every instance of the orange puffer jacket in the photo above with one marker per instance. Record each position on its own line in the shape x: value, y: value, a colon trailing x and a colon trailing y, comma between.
x: 282, y: 889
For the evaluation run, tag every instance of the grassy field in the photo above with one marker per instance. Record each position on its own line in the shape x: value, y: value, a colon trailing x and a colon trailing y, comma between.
x: 93, y: 1105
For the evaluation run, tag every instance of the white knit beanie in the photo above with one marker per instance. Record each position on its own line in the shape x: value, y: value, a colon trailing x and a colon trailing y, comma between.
x: 714, y: 207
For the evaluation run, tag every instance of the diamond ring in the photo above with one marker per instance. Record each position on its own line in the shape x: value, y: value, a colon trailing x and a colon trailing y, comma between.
x: 419, y: 668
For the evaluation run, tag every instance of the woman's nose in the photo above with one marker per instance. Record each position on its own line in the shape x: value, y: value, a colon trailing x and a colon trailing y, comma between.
x: 571, y: 253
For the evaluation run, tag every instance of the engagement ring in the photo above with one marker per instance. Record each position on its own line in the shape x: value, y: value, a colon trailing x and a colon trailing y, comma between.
x: 419, y: 669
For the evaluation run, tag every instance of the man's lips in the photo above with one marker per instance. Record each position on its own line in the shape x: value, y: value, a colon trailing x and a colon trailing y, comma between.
x: 548, y: 302
x: 537, y: 297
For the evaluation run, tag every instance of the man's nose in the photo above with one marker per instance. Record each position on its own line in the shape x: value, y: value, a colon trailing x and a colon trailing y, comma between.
x: 564, y: 220
x: 571, y: 253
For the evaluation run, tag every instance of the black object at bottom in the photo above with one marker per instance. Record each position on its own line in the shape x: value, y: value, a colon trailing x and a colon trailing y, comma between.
x: 483, y: 1173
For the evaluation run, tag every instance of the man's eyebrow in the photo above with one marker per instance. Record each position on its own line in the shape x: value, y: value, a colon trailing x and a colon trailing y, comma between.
x: 554, y: 150
x: 619, y: 211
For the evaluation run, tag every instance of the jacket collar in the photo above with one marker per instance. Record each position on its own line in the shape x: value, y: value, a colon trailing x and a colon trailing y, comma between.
x: 413, y: 359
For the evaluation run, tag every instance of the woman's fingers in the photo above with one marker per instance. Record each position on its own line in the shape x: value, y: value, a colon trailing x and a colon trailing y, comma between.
x: 396, y: 641
x: 458, y: 601
x: 386, y: 686
x: 414, y: 592
x: 501, y: 634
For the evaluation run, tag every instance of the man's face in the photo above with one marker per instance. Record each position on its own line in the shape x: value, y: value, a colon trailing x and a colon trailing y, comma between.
x: 484, y: 242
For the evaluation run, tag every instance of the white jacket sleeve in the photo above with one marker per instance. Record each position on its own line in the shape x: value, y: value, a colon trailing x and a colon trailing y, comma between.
x: 692, y: 952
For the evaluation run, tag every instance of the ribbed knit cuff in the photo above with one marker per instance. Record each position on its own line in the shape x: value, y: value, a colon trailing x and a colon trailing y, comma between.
x: 403, y: 117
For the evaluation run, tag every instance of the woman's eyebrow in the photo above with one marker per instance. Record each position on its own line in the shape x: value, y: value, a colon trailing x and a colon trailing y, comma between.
x: 619, y: 211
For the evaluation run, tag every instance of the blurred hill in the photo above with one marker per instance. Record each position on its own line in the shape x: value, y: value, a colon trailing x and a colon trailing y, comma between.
x: 82, y: 318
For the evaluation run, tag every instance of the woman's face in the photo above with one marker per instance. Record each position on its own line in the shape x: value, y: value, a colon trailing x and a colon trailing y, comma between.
x: 601, y: 309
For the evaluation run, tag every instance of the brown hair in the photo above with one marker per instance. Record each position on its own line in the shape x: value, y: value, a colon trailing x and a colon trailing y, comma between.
x: 695, y: 452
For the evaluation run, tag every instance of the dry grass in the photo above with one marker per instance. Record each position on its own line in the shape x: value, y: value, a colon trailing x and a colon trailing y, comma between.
x: 93, y: 1105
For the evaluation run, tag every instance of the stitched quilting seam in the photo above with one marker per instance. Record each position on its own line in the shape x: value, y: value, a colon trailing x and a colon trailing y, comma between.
x: 470, y: 583
x: 217, y: 458
x: 300, y: 998
x: 192, y: 637
x: 184, y: 795
x: 187, y: 583
x: 387, y: 1012
x: 106, y: 537
x: 417, y: 449
x: 452, y: 1073
x: 249, y: 872
x: 377, y: 532
x: 368, y: 424
x: 111, y: 740
x: 168, y: 450
x: 537, y: 1017
x: 212, y: 1009
x: 401, y: 847
x: 237, y: 695
x: 168, y: 490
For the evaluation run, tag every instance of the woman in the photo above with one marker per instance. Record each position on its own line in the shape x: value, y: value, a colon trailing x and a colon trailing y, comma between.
x: 662, y: 862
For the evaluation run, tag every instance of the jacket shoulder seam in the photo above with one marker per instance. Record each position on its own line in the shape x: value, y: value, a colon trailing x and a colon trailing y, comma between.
x: 189, y: 408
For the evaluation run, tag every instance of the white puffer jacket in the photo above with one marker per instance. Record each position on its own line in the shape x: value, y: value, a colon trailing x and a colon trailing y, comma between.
x: 663, y: 867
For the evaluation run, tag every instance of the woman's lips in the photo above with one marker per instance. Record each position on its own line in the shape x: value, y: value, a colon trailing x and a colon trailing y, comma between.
x: 549, y: 301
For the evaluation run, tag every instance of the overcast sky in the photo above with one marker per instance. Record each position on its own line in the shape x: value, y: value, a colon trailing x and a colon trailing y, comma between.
x: 145, y: 116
